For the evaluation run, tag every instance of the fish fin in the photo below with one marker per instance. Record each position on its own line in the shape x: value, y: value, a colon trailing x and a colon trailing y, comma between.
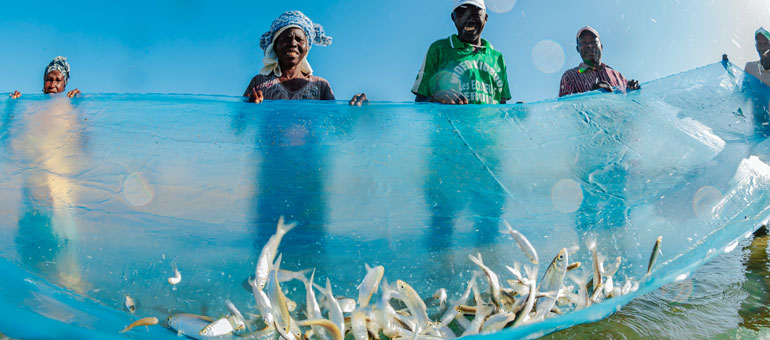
x: 277, y: 264
x: 329, y: 288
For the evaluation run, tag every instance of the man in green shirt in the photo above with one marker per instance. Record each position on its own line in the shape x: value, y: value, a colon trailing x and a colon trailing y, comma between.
x: 463, y: 68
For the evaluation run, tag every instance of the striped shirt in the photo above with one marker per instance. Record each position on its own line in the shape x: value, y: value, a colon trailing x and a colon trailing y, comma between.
x: 582, y: 79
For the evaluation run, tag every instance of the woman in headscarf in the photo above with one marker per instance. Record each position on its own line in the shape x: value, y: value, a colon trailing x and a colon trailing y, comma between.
x: 287, y: 73
x: 55, y: 78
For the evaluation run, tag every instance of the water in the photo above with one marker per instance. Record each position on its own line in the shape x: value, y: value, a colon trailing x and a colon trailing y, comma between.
x: 102, y: 196
x: 725, y: 299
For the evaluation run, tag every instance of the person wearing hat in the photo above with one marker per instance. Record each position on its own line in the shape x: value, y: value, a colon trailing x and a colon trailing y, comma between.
x: 463, y: 68
x: 760, y: 69
x: 55, y: 78
x: 287, y: 73
x: 592, y: 74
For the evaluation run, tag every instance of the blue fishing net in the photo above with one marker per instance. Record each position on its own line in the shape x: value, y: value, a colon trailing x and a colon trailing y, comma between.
x: 102, y: 196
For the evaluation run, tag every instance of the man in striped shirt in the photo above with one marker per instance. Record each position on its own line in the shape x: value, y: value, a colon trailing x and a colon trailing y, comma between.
x: 592, y: 74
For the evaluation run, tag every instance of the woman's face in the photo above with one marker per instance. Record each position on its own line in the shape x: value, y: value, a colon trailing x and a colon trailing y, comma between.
x: 291, y: 47
x: 54, y: 82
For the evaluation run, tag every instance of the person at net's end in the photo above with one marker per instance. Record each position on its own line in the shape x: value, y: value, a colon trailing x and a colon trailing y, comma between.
x: 760, y: 69
x: 55, y: 79
x: 592, y: 73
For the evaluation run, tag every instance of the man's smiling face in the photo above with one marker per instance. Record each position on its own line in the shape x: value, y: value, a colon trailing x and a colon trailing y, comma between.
x: 469, y: 21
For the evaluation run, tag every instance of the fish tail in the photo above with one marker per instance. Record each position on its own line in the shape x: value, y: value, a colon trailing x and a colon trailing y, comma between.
x: 282, y: 228
x: 477, y: 260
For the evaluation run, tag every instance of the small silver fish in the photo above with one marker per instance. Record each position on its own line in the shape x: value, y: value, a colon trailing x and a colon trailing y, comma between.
x: 654, y: 256
x: 174, y: 280
x: 530, y: 301
x: 612, y: 268
x: 129, y: 303
x: 451, y: 312
x: 278, y: 299
x: 267, y: 255
x: 384, y: 313
x: 369, y: 285
x: 415, y: 305
x: 608, y: 286
x: 329, y: 326
x: 523, y: 243
x: 551, y: 283
x: 358, y: 325
x: 348, y: 305
x: 494, y: 282
x: 626, y: 287
x: 440, y: 295
x: 219, y: 327
x: 148, y: 321
x: 596, y: 297
x: 263, y: 303
x: 238, y: 321
x: 597, y: 279
x: 333, y: 307
x: 497, y: 321
x: 580, y: 282
x: 188, y: 324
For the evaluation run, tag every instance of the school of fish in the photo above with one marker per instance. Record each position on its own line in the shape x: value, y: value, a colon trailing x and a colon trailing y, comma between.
x: 488, y: 304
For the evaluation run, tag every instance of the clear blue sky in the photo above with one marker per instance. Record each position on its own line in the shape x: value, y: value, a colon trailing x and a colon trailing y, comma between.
x: 211, y: 47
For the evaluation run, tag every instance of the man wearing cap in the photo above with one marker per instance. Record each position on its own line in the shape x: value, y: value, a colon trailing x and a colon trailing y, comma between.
x: 463, y: 68
x: 592, y: 74
x: 760, y: 69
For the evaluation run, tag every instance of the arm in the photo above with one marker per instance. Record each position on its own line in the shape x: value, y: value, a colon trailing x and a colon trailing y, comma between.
x: 506, y: 89
x: 421, y: 87
x: 252, y: 94
x: 564, y: 86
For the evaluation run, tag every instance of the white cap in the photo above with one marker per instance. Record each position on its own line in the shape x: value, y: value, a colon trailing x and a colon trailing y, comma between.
x: 477, y: 3
x: 587, y: 29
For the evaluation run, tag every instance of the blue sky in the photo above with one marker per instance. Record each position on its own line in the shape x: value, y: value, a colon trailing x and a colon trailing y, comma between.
x: 207, y: 47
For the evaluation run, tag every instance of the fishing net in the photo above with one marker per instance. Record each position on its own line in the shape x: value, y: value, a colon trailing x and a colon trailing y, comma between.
x: 103, y: 196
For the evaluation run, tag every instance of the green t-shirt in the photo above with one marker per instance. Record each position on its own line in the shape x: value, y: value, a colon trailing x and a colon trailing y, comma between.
x: 453, y: 64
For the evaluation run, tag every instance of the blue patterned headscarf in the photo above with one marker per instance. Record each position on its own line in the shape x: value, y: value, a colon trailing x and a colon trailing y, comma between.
x: 58, y: 64
x: 315, y: 32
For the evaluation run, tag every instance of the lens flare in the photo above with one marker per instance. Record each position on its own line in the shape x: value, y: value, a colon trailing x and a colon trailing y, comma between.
x: 137, y: 191
x: 566, y: 196
x: 548, y: 56
x: 704, y: 200
x: 500, y: 6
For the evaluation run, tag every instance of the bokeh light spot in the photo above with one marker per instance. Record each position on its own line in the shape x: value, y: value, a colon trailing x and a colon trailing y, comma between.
x: 566, y: 196
x: 704, y: 200
x: 548, y: 56
x: 137, y: 191
x: 500, y: 6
